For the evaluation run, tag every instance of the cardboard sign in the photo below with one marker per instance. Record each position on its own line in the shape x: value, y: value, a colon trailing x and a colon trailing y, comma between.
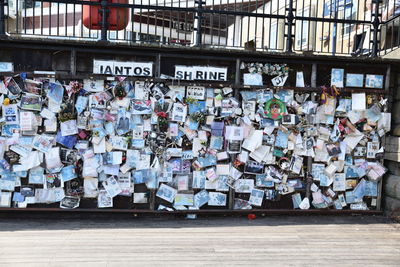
x: 200, y: 73
x: 123, y: 68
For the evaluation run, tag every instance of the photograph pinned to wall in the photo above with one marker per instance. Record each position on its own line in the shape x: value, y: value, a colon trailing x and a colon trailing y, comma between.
x: 93, y: 86
x: 104, y: 200
x: 99, y: 100
x: 10, y: 129
x: 201, y: 198
x: 179, y: 112
x: 216, y: 199
x: 234, y: 146
x: 337, y: 78
x: 167, y: 193
x: 13, y: 87
x: 141, y: 107
x: 56, y: 92
x: 142, y: 92
x: 374, y: 81
x: 112, y: 187
x: 33, y: 87
x: 196, y: 92
x: 354, y: 80
x: 256, y: 197
x: 300, y: 79
x: 252, y: 79
x: 52, y: 181
x: 10, y: 114
x: 69, y: 202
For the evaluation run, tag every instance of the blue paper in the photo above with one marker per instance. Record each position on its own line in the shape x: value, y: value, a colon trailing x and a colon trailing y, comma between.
x: 67, y: 141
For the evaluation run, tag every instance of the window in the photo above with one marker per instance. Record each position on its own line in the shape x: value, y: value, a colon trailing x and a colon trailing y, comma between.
x: 30, y: 4
x: 302, y: 29
x: 273, y: 36
x: 350, y: 12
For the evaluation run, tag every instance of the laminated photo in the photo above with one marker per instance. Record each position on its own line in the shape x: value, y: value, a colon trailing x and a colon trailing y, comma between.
x: 124, y: 182
x: 81, y: 103
x: 253, y: 167
x: 252, y: 79
x: 112, y: 187
x: 10, y: 114
x: 68, y: 173
x: 43, y: 143
x: 339, y: 182
x: 140, y: 198
x: 69, y: 202
x: 68, y: 128
x: 52, y: 181
x: 184, y: 199
x: 256, y: 197
x: 104, y: 200
x: 36, y: 175
x: 244, y: 185
x: 337, y: 77
x: 196, y: 92
x: 56, y: 92
x: 31, y: 102
x: 167, y: 193
x: 141, y: 90
x: 222, y: 183
x: 374, y: 81
x: 201, y: 198
x: 141, y: 107
x: 5, y: 199
x: 93, y: 85
x: 354, y: 80
x: 179, y: 112
x: 14, y: 87
x: 216, y: 199
x: 119, y: 142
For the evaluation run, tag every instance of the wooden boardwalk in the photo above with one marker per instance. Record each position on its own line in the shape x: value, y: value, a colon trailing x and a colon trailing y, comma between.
x: 268, y: 241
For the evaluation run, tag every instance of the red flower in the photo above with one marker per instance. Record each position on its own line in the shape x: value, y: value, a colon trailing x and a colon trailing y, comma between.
x: 162, y: 114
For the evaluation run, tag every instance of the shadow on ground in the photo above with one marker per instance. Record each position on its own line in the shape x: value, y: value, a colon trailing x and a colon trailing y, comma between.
x: 51, y: 221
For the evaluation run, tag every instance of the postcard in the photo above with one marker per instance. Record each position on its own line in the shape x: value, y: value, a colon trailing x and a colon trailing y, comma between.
x: 52, y: 181
x: 184, y: 199
x: 32, y: 87
x: 56, y: 92
x: 93, y: 86
x: 14, y: 87
x: 5, y: 199
x: 196, y: 92
x: 10, y: 114
x: 43, y: 142
x: 300, y: 79
x: 104, y: 200
x: 70, y: 202
x: 339, y: 182
x: 167, y: 193
x: 244, y: 185
x: 31, y: 102
x: 140, y: 198
x: 217, y: 199
x: 68, y: 128
x: 253, y: 167
x: 90, y: 186
x: 179, y: 112
x: 252, y: 79
x: 358, y: 101
x: 124, y: 182
x: 201, y: 198
x: 256, y: 197
x: 112, y: 187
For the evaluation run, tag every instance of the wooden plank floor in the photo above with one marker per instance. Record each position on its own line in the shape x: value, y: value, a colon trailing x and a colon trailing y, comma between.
x: 229, y: 241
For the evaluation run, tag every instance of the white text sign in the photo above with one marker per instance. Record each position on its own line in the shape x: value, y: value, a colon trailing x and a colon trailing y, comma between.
x: 200, y: 73
x: 123, y: 68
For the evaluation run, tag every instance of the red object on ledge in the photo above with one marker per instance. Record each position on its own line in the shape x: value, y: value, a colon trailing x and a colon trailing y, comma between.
x: 118, y: 17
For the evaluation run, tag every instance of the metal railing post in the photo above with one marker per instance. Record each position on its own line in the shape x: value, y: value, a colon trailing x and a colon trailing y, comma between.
x: 375, y: 24
x: 104, y: 16
x: 199, y: 17
x: 289, y: 23
x: 2, y: 18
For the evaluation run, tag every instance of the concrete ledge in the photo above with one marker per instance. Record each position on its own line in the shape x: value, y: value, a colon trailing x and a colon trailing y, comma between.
x: 392, y: 206
x: 392, y: 186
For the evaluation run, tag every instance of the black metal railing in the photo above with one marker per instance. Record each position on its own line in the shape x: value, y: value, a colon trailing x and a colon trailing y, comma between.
x: 333, y: 27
